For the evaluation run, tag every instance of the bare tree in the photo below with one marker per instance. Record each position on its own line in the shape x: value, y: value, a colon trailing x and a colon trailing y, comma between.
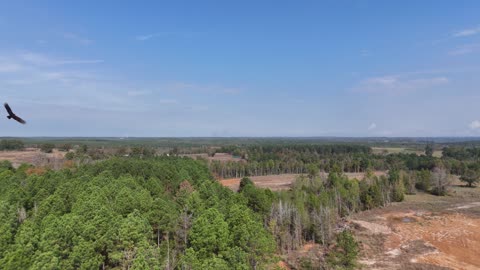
x: 440, y: 181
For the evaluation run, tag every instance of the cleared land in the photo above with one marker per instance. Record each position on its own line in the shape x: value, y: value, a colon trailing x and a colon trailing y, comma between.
x: 223, y: 157
x: 280, y: 181
x: 403, y: 150
x: 424, y: 232
x: 33, y: 156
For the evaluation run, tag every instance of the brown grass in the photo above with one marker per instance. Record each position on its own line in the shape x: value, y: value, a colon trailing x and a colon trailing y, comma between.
x: 33, y: 156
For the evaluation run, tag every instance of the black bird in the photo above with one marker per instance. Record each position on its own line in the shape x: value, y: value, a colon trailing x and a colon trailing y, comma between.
x: 12, y: 115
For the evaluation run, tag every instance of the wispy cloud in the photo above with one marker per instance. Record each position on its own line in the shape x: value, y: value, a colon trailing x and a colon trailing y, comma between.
x: 397, y: 83
x: 44, y: 60
x: 372, y: 126
x: 180, y: 34
x: 146, y: 37
x: 205, y: 88
x: 9, y: 67
x: 465, y: 49
x: 467, y: 32
x: 364, y: 53
x: 475, y: 125
x: 78, y: 39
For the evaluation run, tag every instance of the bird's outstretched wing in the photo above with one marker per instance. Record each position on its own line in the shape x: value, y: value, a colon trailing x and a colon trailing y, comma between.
x: 18, y: 119
x: 9, y: 110
x: 12, y: 115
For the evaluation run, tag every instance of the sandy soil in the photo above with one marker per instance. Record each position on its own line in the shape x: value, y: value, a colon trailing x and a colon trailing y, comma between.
x: 426, y: 232
x: 33, y: 156
x: 279, y: 182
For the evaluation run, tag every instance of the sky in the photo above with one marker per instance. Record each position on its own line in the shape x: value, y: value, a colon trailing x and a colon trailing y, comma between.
x: 241, y: 68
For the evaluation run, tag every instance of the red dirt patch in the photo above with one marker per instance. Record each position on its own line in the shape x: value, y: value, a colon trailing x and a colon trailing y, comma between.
x: 420, y: 240
x: 283, y: 265
x: 273, y: 182
x: 223, y: 157
x: 456, y: 237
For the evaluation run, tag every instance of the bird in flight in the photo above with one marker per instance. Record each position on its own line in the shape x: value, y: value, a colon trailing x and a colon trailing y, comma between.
x: 12, y: 115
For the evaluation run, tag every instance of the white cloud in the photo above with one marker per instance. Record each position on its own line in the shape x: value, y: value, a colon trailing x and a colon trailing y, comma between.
x: 372, y: 126
x: 467, y: 32
x: 397, y: 83
x: 77, y: 39
x: 475, y: 125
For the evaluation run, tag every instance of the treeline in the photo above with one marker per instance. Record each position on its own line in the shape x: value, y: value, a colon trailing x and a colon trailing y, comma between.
x: 299, y: 159
x: 295, y: 158
x: 169, y: 213
x: 160, y: 213
x: 313, y: 209
x: 462, y: 153
x: 10, y: 145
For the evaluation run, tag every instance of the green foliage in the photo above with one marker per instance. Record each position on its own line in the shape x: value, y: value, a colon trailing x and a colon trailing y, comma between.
x: 69, y: 155
x: 429, y: 150
x: 10, y: 145
x: 244, y: 182
x: 65, y: 147
x: 259, y: 200
x: 5, y: 165
x: 345, y: 253
x: 209, y: 235
x: 470, y: 177
x: 47, y: 147
x: 130, y: 214
x: 423, y: 180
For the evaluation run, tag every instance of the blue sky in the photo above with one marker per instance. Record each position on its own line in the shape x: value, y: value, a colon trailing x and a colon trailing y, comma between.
x: 241, y: 68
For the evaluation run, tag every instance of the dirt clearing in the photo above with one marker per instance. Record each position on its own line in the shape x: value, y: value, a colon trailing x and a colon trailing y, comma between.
x: 280, y: 181
x: 33, y: 156
x: 425, y: 232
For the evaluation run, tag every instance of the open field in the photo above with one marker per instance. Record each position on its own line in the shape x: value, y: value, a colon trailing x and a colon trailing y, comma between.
x: 280, y: 181
x: 223, y: 157
x: 33, y: 156
x: 403, y: 150
x: 424, y: 232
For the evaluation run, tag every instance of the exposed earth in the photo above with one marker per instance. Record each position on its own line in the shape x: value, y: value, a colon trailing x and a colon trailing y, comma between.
x: 280, y: 181
x: 34, y: 156
x: 424, y: 232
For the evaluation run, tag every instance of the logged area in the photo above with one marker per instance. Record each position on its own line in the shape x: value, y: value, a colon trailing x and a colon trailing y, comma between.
x: 34, y: 156
x: 281, y: 181
x: 238, y: 205
x: 424, y: 232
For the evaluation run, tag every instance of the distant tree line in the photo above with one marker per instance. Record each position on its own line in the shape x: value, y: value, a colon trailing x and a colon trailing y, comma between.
x: 10, y: 145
